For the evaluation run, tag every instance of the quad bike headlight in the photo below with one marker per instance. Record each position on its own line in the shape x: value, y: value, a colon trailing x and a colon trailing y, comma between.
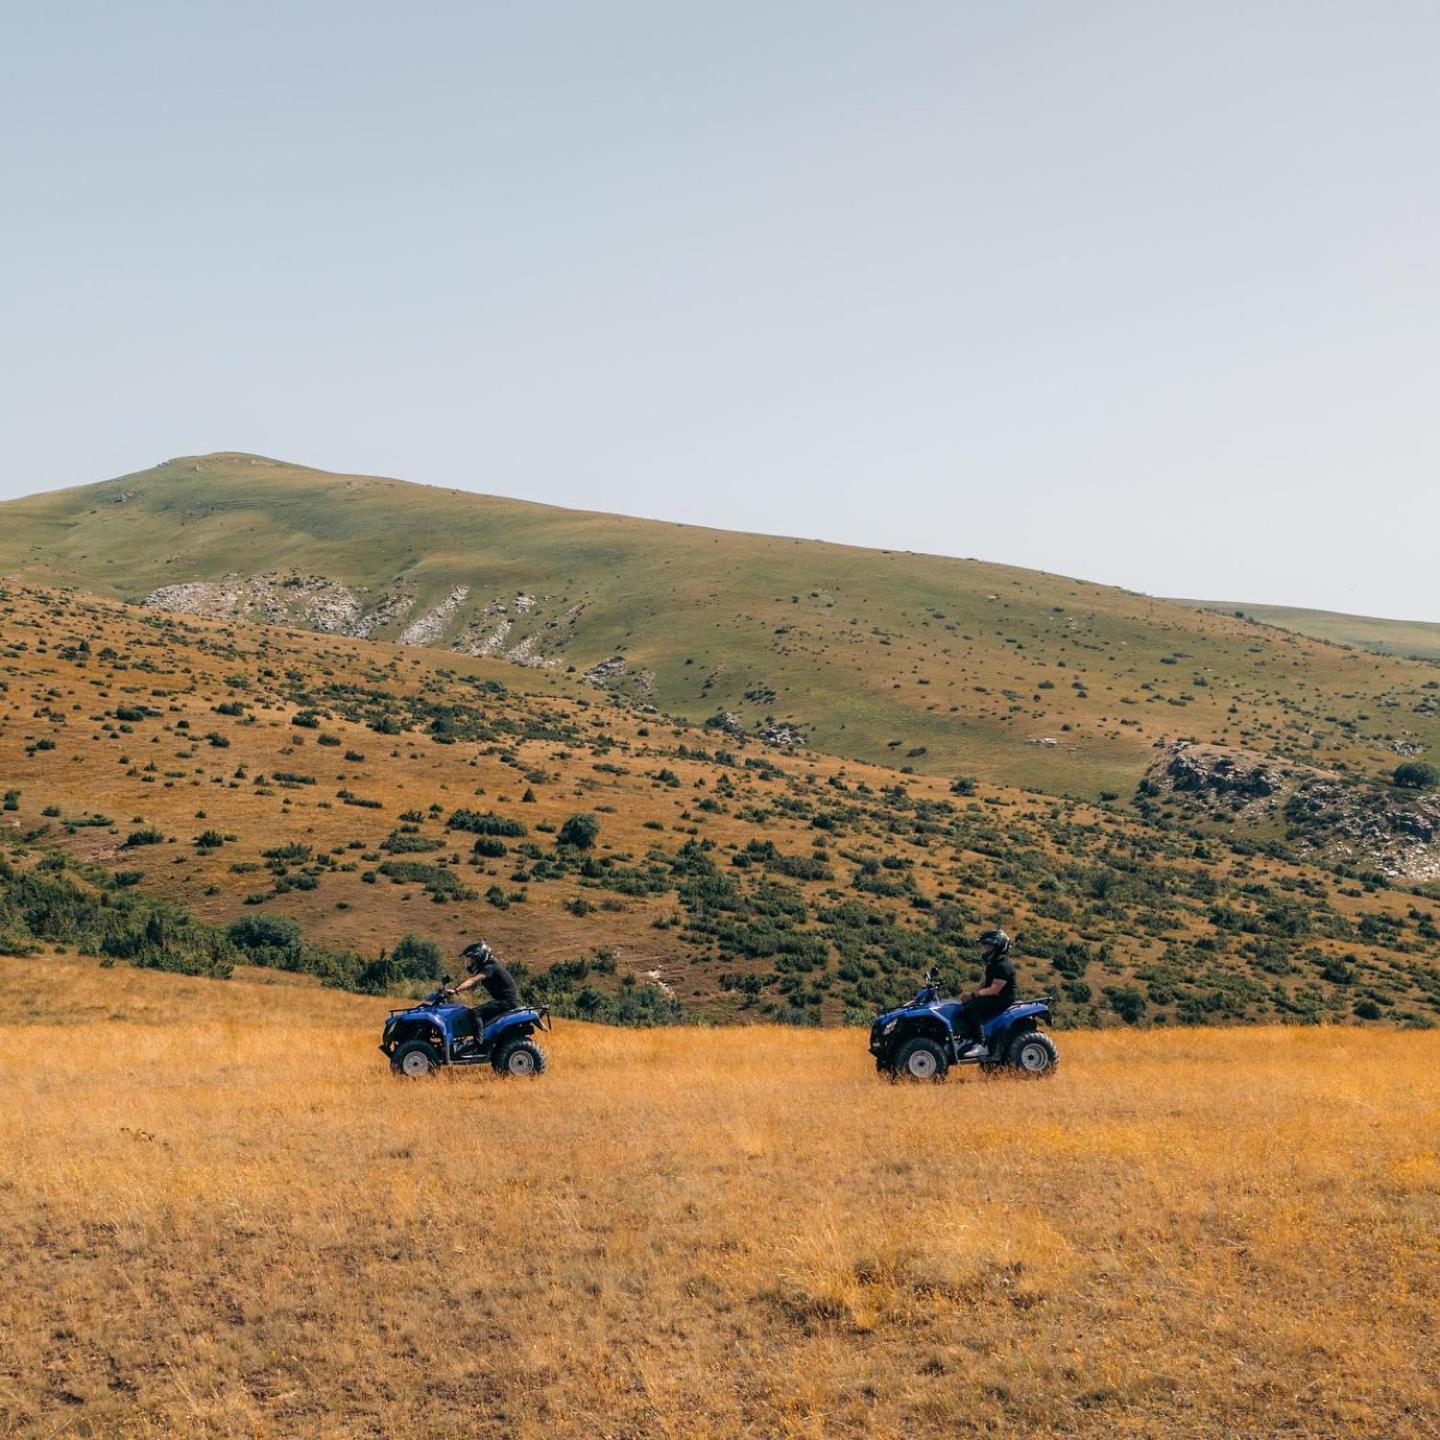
x: 889, y: 1026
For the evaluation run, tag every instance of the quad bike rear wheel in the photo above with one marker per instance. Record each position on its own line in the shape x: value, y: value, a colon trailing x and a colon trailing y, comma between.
x: 1033, y: 1054
x: 920, y: 1060
x: 415, y: 1059
x: 520, y: 1059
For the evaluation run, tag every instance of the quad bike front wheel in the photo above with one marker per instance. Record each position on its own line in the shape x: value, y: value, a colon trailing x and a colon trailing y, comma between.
x: 520, y: 1059
x: 1033, y: 1054
x: 415, y: 1059
x: 920, y: 1060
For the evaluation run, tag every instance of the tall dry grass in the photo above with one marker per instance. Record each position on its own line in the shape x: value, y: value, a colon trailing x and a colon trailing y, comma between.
x: 244, y: 1226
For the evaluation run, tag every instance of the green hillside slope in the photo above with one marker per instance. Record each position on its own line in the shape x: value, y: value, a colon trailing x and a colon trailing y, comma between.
x: 1415, y: 639
x: 948, y: 666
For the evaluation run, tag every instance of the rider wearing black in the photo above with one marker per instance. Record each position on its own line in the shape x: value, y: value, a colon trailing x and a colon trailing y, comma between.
x: 997, y: 993
x: 484, y: 969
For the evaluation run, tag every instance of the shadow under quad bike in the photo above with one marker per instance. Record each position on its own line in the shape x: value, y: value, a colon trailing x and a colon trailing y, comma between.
x: 437, y: 1032
x: 922, y: 1040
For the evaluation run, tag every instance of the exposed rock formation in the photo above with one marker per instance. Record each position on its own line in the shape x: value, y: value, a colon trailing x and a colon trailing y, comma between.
x: 1327, y: 817
x: 606, y: 670
x: 390, y: 609
x: 314, y: 602
x: 311, y: 602
x: 429, y: 627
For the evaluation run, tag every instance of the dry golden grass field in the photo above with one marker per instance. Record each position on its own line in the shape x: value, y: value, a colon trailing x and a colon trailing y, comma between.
x: 222, y: 1217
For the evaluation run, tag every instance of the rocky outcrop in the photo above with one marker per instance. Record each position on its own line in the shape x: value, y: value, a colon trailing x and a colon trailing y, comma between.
x: 606, y: 674
x: 429, y: 627
x: 310, y: 602
x: 389, y: 610
x: 1207, y: 771
x: 1371, y: 825
x: 492, y: 631
x: 519, y: 628
x: 786, y: 737
x: 1327, y: 817
x: 528, y: 653
x: 606, y: 671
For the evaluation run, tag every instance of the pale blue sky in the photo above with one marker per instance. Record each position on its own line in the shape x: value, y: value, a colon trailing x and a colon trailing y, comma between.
x: 1148, y: 293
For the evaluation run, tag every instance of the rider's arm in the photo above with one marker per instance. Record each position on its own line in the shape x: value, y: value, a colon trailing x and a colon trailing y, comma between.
x: 468, y: 983
x: 993, y: 988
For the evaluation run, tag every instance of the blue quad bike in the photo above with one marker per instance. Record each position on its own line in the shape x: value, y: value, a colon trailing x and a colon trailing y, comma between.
x: 435, y: 1032
x: 922, y: 1040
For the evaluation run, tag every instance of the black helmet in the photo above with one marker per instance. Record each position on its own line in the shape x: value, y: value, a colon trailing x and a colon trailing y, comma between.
x: 993, y: 943
x: 476, y: 956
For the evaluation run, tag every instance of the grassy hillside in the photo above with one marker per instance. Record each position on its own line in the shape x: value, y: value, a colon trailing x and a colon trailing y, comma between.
x: 1414, y: 639
x: 940, y: 665
x: 156, y: 768
x: 699, y: 1233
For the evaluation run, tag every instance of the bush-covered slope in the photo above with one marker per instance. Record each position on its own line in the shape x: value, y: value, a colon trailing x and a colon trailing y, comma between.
x: 186, y: 794
x: 939, y: 665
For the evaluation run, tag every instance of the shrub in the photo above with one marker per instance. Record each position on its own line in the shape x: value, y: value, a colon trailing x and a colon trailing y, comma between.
x: 400, y: 842
x: 419, y: 958
x: 489, y: 847
x: 147, y: 836
x: 486, y: 823
x: 47, y: 905
x: 1127, y: 1002
x: 1417, y: 775
x: 580, y: 831
x: 270, y: 940
x: 379, y: 975
x: 347, y: 797
x: 439, y: 882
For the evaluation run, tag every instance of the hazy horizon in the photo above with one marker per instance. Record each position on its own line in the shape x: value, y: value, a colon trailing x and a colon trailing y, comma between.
x: 1144, y: 296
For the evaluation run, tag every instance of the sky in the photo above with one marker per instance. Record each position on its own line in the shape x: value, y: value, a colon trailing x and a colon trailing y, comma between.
x: 1145, y: 293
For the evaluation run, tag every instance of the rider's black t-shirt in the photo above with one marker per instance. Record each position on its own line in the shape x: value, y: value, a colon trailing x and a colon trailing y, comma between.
x: 500, y: 984
x: 1002, y: 967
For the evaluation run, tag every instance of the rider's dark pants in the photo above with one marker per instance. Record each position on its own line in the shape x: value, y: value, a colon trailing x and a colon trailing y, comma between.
x: 974, y: 1013
x: 481, y: 1015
